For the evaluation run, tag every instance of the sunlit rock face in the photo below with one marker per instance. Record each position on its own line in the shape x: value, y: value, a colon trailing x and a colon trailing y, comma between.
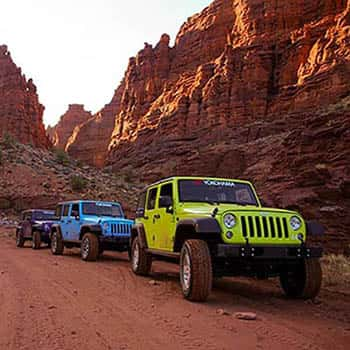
x: 61, y: 133
x: 21, y: 114
x: 253, y: 89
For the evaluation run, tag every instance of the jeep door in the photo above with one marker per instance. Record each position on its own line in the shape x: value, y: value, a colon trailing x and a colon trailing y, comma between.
x: 65, y: 221
x: 74, y: 222
x: 164, y: 218
x: 150, y: 218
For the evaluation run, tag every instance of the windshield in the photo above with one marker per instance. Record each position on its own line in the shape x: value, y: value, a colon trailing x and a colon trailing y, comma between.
x: 44, y: 216
x: 216, y: 191
x: 102, y: 209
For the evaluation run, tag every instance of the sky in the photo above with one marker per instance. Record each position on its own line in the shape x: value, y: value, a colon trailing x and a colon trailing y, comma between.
x: 77, y: 51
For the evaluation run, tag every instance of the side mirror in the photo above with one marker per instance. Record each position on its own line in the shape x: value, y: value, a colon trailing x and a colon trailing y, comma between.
x: 165, y: 202
x: 263, y: 203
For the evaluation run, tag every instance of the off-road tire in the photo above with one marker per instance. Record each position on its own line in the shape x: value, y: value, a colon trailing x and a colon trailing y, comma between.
x: 141, y: 261
x: 36, y: 240
x: 100, y: 250
x: 89, y: 247
x: 303, y: 282
x: 57, y: 246
x: 195, y: 258
x: 19, y: 240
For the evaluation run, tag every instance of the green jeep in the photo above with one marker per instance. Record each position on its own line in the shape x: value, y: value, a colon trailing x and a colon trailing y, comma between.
x: 218, y: 227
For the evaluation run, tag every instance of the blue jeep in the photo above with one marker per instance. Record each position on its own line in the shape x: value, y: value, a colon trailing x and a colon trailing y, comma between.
x: 92, y: 226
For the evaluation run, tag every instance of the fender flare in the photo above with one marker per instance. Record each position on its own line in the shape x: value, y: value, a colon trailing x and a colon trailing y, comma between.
x: 314, y: 228
x: 138, y: 230
x: 203, y: 228
x: 56, y: 228
x: 201, y: 225
x: 96, y: 229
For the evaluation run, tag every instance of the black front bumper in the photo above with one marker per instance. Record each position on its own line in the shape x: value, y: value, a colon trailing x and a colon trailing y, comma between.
x: 267, y: 252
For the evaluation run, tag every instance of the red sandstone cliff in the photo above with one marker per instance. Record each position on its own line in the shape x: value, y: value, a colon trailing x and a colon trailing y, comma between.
x: 252, y: 88
x: 60, y: 134
x: 20, y: 110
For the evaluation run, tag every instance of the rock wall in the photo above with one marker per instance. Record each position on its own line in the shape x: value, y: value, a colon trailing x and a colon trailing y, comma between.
x: 252, y: 88
x: 20, y: 110
x: 60, y: 134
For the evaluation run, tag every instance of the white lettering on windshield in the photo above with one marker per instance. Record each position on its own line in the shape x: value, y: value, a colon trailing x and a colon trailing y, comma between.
x: 219, y: 183
x: 104, y: 205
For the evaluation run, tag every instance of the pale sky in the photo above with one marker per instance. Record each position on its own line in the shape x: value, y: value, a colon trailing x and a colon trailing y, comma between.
x: 77, y: 51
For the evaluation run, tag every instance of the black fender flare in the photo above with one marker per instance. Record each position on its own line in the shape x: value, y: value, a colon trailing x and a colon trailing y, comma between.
x: 96, y: 229
x: 204, y: 228
x: 201, y: 225
x: 38, y: 228
x: 56, y: 228
x: 314, y: 228
x: 138, y: 230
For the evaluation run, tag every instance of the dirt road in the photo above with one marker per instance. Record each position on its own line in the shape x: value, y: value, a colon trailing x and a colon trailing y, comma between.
x: 49, y: 302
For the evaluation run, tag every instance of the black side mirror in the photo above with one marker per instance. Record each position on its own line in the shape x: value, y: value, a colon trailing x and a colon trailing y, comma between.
x: 263, y: 203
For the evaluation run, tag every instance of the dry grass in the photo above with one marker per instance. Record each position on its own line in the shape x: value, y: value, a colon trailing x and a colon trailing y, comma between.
x: 336, y: 270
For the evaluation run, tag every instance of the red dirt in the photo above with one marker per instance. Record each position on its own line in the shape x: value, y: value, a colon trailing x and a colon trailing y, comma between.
x: 49, y: 302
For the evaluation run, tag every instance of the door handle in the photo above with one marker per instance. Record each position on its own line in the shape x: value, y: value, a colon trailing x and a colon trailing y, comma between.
x: 146, y: 217
x: 69, y: 221
x: 157, y: 216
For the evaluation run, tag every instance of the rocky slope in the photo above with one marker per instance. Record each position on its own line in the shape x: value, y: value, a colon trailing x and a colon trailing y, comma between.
x: 20, y: 110
x: 60, y: 134
x: 37, y: 178
x: 252, y: 88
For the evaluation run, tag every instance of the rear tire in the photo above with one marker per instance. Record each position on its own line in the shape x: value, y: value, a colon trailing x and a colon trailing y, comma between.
x: 141, y: 261
x: 89, y: 247
x: 36, y: 240
x: 19, y: 240
x: 304, y: 281
x: 196, y: 275
x: 57, y: 246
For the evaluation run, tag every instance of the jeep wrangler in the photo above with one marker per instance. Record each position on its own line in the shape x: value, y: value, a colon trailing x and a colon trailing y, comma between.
x: 218, y: 227
x: 92, y: 226
x: 35, y: 226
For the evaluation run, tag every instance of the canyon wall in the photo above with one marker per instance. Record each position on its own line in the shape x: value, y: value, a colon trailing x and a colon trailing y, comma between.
x: 254, y: 89
x: 21, y: 114
x: 60, y: 134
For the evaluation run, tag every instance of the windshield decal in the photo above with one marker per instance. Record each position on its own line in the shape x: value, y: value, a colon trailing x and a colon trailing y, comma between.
x: 219, y: 183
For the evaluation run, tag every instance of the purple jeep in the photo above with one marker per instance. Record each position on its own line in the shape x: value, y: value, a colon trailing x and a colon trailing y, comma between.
x: 35, y: 226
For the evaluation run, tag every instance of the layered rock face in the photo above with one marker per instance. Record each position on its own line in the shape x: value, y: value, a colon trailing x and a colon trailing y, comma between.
x: 20, y: 111
x: 60, y: 134
x: 252, y: 89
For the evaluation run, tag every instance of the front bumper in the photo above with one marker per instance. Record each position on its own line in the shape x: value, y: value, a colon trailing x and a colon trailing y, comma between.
x: 122, y: 240
x: 267, y: 252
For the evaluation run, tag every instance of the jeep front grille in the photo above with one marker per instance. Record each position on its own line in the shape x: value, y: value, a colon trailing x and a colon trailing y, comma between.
x: 264, y: 227
x: 121, y: 229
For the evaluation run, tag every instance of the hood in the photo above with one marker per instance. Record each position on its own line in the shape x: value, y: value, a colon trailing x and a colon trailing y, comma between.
x: 208, y: 209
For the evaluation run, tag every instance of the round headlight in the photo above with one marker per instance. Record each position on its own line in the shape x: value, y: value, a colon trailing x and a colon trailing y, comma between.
x: 295, y: 223
x: 105, y: 226
x: 230, y: 220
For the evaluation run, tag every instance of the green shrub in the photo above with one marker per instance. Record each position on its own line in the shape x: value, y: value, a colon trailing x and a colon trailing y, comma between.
x: 8, y: 141
x: 61, y: 157
x: 78, y: 183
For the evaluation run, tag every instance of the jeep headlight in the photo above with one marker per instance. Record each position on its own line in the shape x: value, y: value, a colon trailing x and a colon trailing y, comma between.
x: 105, y: 226
x: 230, y: 220
x: 295, y: 223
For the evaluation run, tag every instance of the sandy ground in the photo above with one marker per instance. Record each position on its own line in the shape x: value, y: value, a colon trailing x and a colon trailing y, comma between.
x: 49, y: 302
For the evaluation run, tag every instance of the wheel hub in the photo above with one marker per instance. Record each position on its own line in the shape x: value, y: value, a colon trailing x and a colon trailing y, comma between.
x: 186, y: 271
x: 86, y: 247
x: 135, y: 257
